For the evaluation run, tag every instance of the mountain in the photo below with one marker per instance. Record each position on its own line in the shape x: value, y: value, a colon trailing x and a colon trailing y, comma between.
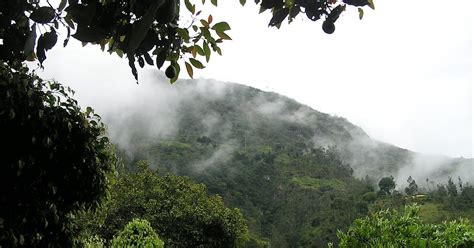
x: 290, y: 169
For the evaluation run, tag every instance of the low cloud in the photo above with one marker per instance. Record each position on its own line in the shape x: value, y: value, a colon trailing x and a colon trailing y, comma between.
x: 222, y: 154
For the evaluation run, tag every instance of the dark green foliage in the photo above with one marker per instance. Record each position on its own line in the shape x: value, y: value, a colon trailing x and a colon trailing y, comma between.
x: 386, y: 185
x: 466, y: 199
x: 412, y: 188
x: 180, y: 211
x: 390, y: 229
x: 137, y: 29
x: 451, y: 188
x: 55, y: 160
x: 313, y: 9
x: 137, y: 233
x: 436, y: 206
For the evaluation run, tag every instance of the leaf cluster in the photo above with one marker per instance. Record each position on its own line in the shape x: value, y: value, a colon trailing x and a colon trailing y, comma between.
x: 313, y: 9
x: 147, y: 32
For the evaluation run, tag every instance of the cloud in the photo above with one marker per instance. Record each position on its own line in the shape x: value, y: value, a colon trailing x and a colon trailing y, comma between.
x: 222, y: 154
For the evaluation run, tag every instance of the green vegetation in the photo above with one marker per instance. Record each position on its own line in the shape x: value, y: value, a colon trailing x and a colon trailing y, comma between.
x: 137, y: 233
x: 315, y: 183
x: 267, y: 163
x: 290, y: 193
x: 435, y: 206
x: 387, y: 185
x: 55, y: 160
x: 180, y: 211
x: 389, y: 229
x: 278, y: 166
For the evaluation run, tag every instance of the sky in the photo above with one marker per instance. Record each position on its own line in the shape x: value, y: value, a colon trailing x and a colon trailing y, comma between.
x: 403, y: 73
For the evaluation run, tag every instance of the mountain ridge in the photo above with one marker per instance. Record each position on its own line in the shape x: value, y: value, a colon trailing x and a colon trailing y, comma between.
x: 367, y: 156
x: 288, y: 167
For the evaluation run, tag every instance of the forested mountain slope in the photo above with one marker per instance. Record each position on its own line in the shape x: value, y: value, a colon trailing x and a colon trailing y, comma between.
x: 289, y: 168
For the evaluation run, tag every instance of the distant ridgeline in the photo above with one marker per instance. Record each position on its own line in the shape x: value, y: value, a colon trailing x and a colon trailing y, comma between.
x: 289, y: 168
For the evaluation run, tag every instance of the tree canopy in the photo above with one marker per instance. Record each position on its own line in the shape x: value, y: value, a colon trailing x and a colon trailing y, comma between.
x: 146, y: 31
x: 55, y: 160
x: 180, y: 211
x: 388, y: 228
x: 387, y: 185
x: 137, y: 233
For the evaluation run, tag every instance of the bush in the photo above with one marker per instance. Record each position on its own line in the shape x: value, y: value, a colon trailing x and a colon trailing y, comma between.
x: 137, y: 233
x: 93, y: 242
x: 389, y: 229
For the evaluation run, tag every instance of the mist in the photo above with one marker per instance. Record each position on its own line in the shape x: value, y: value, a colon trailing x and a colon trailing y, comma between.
x: 153, y: 112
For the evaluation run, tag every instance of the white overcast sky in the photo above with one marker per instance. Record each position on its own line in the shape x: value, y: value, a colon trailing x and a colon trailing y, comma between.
x: 403, y: 73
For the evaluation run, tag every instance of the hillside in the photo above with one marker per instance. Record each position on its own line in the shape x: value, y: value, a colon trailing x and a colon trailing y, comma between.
x: 289, y: 168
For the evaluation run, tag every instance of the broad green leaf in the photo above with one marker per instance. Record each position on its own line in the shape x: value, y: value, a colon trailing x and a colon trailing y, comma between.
x: 207, y: 51
x: 204, y: 23
x: 131, y: 64
x: 214, y: 2
x: 189, y: 6
x: 40, y: 52
x: 224, y: 36
x: 218, y: 50
x: 189, y: 68
x: 205, y: 32
x: 199, y: 50
x: 81, y: 14
x: 196, y: 63
x: 141, y: 62
x: 242, y: 2
x: 221, y: 26
x: 48, y: 39
x: 89, y: 34
x: 294, y: 11
x: 183, y: 33
x: 119, y: 52
x: 361, y: 13
x: 178, y: 69
x: 279, y: 16
x: 43, y: 15
x: 371, y: 4
x: 69, y: 22
x: 62, y: 5
x: 102, y: 44
x: 141, y: 27
x: 30, y: 43
x: 161, y: 57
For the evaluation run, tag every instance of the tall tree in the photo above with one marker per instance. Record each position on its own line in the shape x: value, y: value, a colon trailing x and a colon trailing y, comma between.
x: 387, y: 185
x: 412, y: 187
x: 451, y: 188
x: 55, y: 160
